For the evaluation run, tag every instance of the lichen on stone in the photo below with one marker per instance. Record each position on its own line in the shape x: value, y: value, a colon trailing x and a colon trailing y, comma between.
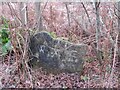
x: 55, y: 54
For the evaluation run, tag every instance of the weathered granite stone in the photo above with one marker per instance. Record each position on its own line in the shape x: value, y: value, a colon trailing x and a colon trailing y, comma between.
x: 56, y: 55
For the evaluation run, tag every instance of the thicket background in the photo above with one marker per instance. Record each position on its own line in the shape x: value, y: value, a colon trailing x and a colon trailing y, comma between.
x: 96, y: 24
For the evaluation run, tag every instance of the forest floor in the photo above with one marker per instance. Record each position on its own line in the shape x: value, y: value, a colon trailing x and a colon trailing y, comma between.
x: 11, y: 77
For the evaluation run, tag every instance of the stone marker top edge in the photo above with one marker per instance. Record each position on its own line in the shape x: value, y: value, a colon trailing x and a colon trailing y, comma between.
x: 77, y: 44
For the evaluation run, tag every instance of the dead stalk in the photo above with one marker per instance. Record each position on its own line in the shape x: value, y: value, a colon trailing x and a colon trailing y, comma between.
x: 110, y: 84
x: 25, y: 57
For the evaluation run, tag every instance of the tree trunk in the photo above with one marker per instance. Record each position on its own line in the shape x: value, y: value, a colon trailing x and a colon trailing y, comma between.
x: 23, y: 13
x: 38, y: 16
x: 98, y: 33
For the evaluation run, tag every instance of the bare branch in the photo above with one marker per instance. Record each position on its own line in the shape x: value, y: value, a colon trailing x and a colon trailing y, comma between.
x: 68, y: 13
x: 86, y: 12
x: 14, y: 13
